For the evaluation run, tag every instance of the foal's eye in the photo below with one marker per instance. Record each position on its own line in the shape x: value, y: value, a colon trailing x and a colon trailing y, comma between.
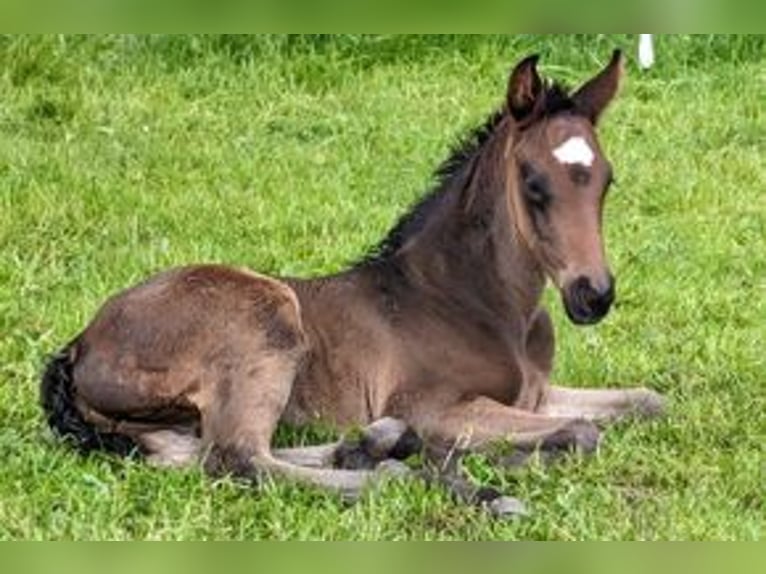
x: 535, y: 187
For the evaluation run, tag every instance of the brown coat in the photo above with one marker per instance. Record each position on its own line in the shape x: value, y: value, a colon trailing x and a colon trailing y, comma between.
x: 440, y: 327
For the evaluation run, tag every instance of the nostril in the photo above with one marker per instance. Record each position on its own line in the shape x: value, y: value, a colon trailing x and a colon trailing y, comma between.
x: 582, y: 292
x: 593, y: 298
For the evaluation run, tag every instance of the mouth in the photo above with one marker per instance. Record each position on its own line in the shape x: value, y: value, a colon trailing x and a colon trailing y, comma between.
x: 583, y: 316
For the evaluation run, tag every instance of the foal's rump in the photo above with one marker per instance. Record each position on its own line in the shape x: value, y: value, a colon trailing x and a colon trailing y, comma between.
x: 58, y: 401
x: 166, y: 353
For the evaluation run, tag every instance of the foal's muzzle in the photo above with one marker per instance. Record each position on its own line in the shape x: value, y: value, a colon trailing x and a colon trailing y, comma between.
x: 587, y: 303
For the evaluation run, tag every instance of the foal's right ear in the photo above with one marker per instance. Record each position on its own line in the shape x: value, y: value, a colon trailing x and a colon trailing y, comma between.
x: 524, y: 88
x: 594, y: 96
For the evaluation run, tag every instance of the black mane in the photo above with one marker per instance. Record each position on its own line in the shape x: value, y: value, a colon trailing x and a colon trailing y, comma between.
x: 555, y: 100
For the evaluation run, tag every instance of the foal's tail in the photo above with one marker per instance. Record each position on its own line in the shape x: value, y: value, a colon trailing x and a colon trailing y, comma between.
x: 57, y: 397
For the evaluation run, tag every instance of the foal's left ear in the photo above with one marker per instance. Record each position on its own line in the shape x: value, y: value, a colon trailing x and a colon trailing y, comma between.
x: 594, y: 96
x: 524, y: 88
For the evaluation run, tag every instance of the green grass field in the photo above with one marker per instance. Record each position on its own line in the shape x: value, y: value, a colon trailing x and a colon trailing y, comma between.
x: 120, y: 156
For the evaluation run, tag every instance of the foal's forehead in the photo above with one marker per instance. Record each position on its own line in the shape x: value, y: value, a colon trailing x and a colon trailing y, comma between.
x: 570, y: 141
x: 573, y: 141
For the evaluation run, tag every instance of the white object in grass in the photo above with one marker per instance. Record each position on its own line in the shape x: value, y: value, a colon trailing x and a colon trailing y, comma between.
x: 645, y: 51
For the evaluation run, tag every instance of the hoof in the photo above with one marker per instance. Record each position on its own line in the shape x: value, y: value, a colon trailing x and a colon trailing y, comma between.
x: 649, y: 404
x: 386, y: 438
x: 507, y: 507
x: 350, y: 455
x: 390, y: 438
x: 578, y: 435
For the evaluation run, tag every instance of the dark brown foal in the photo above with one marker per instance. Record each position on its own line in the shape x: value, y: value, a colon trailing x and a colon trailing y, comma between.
x: 439, y: 330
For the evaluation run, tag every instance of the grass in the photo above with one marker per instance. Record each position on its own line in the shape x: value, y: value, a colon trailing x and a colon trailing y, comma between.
x: 120, y: 156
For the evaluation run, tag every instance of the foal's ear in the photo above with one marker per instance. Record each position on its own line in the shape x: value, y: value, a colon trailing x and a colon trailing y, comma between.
x: 594, y: 96
x: 524, y: 88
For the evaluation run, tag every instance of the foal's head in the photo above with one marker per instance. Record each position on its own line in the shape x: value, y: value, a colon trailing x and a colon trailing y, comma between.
x: 559, y: 178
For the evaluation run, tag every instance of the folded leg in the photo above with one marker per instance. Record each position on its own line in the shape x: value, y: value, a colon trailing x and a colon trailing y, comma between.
x: 239, y: 423
x: 384, y: 439
x: 601, y: 404
x: 481, y: 421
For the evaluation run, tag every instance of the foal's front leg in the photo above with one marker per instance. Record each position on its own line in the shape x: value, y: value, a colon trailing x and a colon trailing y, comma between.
x: 478, y: 421
x: 452, y: 428
x: 592, y: 404
x: 601, y: 405
x: 481, y: 422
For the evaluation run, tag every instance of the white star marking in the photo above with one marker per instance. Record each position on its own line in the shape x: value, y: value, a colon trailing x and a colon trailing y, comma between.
x: 574, y: 150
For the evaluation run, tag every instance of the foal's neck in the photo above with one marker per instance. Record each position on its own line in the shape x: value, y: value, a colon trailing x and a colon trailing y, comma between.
x: 470, y: 247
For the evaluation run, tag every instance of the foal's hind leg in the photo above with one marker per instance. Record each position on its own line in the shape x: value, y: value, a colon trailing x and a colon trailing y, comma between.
x: 385, y: 439
x: 170, y: 448
x: 238, y: 427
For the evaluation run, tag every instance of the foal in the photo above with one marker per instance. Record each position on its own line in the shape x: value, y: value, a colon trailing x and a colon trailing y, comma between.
x: 440, y: 329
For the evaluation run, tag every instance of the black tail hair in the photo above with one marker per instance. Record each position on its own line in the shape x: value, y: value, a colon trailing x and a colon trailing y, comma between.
x: 57, y: 400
